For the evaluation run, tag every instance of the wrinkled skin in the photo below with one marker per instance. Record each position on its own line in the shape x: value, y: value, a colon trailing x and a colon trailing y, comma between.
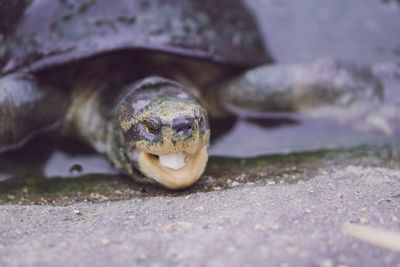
x: 161, y: 120
x: 135, y: 121
x: 115, y: 99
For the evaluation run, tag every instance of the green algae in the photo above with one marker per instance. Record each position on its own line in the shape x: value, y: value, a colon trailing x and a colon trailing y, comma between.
x: 222, y: 173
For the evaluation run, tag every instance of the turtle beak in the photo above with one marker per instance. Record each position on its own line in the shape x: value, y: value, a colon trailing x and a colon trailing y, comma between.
x: 174, y: 171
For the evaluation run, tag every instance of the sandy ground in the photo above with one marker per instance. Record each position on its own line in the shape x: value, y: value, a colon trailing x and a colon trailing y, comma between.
x: 247, y: 225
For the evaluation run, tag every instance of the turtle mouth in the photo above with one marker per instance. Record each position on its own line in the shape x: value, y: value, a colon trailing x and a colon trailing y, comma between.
x: 174, y: 171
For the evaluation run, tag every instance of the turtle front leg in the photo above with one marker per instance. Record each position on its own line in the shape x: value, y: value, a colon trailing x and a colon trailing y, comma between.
x: 27, y: 107
x: 365, y: 97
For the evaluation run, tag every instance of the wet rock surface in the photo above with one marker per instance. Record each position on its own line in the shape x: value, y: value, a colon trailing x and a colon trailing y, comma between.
x: 84, y: 176
x: 278, y: 225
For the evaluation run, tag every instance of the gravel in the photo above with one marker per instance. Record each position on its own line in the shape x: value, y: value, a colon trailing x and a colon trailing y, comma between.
x: 246, y: 225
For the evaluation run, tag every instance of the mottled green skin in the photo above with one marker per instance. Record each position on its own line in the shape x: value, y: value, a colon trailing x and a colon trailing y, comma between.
x: 155, y: 115
x: 106, y: 120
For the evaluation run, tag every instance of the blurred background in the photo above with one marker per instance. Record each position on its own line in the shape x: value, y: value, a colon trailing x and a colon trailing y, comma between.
x: 364, y: 31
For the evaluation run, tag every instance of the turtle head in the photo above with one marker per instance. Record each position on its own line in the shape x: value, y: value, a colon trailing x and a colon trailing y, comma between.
x: 165, y: 132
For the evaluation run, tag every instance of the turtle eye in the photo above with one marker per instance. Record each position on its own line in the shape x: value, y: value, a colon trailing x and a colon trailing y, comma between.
x: 201, y: 121
x: 152, y: 125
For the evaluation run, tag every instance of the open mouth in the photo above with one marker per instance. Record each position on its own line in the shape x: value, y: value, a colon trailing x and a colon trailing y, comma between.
x: 174, y: 171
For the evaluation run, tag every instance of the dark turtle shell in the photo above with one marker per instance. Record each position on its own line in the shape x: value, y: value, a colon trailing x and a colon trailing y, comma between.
x: 43, y: 33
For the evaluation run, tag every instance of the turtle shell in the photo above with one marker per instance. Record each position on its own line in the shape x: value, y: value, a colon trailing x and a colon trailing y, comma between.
x: 43, y: 33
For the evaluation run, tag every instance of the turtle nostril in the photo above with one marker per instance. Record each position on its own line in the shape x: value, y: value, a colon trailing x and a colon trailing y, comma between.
x: 183, y: 125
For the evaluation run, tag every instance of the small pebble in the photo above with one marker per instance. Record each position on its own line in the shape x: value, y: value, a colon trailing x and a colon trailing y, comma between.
x: 97, y: 197
x: 199, y: 208
x: 181, y: 226
x: 259, y: 227
x: 291, y: 250
x: 77, y: 212
x: 105, y: 242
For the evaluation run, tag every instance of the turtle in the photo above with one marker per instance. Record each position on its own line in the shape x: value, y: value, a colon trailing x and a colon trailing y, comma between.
x: 138, y: 79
